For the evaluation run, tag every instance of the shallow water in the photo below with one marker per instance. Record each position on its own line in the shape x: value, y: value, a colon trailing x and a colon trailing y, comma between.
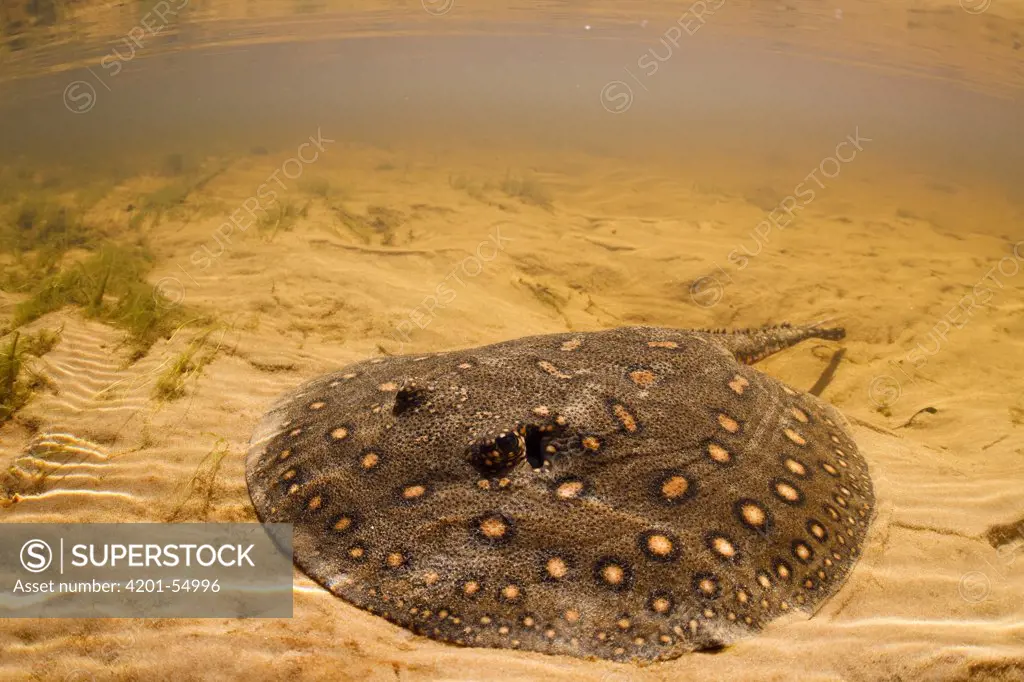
x: 857, y: 164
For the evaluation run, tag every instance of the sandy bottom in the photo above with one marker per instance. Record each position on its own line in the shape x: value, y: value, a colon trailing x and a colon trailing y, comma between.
x: 939, y: 593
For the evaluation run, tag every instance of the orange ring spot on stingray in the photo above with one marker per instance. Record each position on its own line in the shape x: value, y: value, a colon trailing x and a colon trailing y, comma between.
x: 718, y: 453
x: 723, y: 547
x: 660, y: 545
x: 413, y: 492
x: 674, y: 487
x: 787, y: 492
x: 794, y: 436
x: 644, y: 378
x: 493, y: 527
x: 739, y: 384
x: 569, y: 489
x: 627, y: 420
x: 556, y: 567
x: 796, y: 467
x: 728, y: 423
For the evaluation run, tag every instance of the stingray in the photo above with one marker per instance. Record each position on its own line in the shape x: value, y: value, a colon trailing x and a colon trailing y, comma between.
x: 631, y: 494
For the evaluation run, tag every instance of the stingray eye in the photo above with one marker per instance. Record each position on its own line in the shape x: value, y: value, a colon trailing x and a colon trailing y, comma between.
x: 509, y: 444
x: 494, y: 456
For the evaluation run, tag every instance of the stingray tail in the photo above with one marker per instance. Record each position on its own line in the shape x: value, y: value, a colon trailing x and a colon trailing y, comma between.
x: 752, y: 345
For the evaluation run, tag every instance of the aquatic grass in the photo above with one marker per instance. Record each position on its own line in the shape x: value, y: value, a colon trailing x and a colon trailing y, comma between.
x: 547, y: 297
x: 199, y: 488
x: 473, y: 188
x: 384, y: 218
x: 280, y: 218
x: 764, y: 197
x: 12, y: 394
x: 36, y: 223
x: 168, y: 199
x: 333, y: 195
x: 15, y: 387
x: 144, y: 315
x: 57, y: 261
x: 379, y: 223
x: 318, y: 187
x: 82, y: 283
x: 458, y: 181
x: 171, y: 199
x: 26, y: 271
x: 527, y: 190
x: 76, y: 189
x: 54, y: 292
x: 188, y: 365
x: 355, y: 224
x: 42, y: 342
x: 40, y: 232
x: 110, y: 286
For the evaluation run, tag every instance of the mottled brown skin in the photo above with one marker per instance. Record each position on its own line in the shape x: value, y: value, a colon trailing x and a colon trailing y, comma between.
x: 631, y: 494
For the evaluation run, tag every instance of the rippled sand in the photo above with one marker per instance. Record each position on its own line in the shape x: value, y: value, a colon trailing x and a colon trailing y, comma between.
x: 937, y: 595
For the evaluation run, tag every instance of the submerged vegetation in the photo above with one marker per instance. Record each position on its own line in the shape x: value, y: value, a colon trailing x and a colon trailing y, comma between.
x: 526, y: 189
x: 12, y: 394
x: 37, y: 224
x: 89, y: 250
x: 281, y: 217
x: 378, y: 225
x: 108, y: 285
x: 52, y: 257
x: 53, y: 254
x: 189, y: 364
x: 16, y: 380
x: 476, y: 190
x: 375, y: 225
x: 198, y: 492
x: 322, y: 188
x: 170, y: 199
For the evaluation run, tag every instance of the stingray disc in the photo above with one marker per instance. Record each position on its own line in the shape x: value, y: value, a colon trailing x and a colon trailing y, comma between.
x: 629, y: 494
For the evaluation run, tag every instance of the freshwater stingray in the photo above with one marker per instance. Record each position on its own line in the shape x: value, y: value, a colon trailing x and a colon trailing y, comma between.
x: 630, y: 494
